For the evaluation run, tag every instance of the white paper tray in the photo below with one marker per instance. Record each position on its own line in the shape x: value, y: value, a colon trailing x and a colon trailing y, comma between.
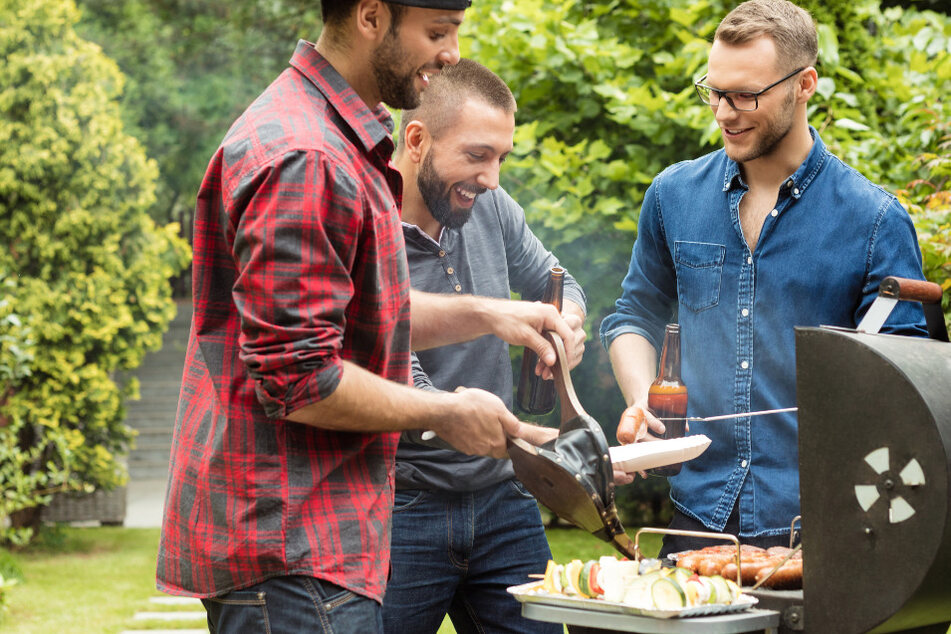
x: 658, y: 453
x: 531, y: 593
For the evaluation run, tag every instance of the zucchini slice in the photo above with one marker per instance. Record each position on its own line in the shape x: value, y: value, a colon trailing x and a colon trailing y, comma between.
x: 667, y: 594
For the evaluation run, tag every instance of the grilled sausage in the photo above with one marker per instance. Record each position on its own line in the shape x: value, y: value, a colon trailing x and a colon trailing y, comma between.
x: 749, y: 568
x: 788, y: 576
x: 690, y: 562
x: 713, y: 564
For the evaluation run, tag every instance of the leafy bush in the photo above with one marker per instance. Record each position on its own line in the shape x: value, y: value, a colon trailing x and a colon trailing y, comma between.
x: 85, y: 268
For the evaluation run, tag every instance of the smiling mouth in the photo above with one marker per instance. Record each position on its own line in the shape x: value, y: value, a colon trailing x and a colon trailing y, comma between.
x: 730, y: 132
x: 426, y: 74
x: 465, y: 194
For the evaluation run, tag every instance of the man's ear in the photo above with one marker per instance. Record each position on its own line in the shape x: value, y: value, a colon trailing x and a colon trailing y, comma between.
x: 808, y: 83
x: 415, y: 138
x: 372, y: 19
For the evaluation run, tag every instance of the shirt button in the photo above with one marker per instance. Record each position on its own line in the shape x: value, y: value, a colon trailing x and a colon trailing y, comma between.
x: 745, y: 364
x: 458, y: 288
x: 450, y: 270
x: 789, y: 183
x: 745, y: 312
x: 743, y: 464
x: 442, y: 254
x: 774, y: 213
x: 749, y: 260
x: 795, y: 191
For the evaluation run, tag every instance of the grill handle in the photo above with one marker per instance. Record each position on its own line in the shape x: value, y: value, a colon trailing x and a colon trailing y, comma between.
x: 928, y: 293
x: 912, y: 290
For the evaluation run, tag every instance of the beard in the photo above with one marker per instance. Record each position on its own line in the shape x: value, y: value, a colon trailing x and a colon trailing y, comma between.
x: 396, y: 85
x: 775, y: 130
x: 438, y: 196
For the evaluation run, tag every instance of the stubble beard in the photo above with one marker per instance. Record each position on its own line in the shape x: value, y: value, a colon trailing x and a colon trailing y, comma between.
x: 436, y: 194
x: 774, y: 132
x: 396, y: 85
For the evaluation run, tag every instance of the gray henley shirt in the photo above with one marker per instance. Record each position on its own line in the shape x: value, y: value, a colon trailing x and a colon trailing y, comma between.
x: 492, y: 255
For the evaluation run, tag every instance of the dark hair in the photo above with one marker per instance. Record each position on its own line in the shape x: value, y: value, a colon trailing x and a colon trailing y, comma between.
x: 335, y: 12
x: 790, y: 27
x: 442, y: 100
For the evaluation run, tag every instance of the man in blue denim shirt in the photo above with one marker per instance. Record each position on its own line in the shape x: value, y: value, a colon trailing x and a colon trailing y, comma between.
x: 740, y: 246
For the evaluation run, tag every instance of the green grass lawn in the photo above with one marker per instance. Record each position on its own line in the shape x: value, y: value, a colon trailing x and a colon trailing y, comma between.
x: 83, y: 580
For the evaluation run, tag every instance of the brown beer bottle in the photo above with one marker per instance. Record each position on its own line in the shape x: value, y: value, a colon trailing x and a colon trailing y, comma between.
x: 667, y: 395
x: 535, y: 395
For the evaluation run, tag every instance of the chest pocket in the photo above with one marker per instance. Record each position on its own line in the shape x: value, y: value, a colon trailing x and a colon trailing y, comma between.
x: 699, y: 268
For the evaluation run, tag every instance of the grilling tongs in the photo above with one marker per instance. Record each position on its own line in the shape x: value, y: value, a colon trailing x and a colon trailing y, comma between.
x: 572, y: 474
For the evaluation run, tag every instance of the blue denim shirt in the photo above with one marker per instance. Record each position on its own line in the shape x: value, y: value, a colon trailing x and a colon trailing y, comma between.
x: 821, y: 254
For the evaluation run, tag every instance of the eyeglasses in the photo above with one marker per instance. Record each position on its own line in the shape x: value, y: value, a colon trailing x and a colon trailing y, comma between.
x: 738, y: 99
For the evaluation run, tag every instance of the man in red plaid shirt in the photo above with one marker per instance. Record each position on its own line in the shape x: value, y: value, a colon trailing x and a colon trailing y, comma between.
x: 297, y: 376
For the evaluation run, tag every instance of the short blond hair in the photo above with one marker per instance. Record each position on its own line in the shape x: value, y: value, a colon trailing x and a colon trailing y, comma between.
x: 790, y: 27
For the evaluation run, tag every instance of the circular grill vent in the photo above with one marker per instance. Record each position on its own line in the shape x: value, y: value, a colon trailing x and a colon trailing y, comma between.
x: 888, y: 485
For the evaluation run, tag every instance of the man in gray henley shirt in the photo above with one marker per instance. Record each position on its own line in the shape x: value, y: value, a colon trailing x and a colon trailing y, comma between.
x: 464, y: 529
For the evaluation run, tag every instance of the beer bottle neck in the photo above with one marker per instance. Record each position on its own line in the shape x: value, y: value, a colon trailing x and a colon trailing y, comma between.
x: 554, y: 291
x: 670, y: 356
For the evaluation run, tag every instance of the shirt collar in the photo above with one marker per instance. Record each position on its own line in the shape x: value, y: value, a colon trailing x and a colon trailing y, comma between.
x: 422, y: 235
x: 372, y: 127
x: 797, y: 183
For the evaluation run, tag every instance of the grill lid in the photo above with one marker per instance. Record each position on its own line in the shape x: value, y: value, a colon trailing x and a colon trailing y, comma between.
x: 874, y: 454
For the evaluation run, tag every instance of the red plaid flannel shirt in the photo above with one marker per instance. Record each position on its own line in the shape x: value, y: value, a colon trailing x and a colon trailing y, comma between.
x: 299, y: 263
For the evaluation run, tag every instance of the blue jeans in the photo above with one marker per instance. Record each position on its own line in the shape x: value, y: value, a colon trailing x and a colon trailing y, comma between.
x: 292, y: 605
x: 457, y: 553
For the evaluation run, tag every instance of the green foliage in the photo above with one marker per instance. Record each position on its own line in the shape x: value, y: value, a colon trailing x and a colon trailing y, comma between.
x: 86, y: 269
x: 192, y: 67
x: 929, y: 201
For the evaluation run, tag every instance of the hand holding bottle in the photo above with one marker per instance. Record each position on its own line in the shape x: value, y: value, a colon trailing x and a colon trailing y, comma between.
x: 536, y: 394
x: 667, y: 395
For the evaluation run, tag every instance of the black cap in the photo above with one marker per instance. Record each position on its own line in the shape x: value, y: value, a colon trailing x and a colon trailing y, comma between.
x: 448, y: 5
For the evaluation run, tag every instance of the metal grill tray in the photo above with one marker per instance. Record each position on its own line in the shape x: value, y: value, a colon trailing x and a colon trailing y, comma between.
x: 530, y: 593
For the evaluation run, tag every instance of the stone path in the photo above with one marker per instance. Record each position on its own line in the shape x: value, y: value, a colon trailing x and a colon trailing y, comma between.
x: 181, y: 617
x: 160, y: 377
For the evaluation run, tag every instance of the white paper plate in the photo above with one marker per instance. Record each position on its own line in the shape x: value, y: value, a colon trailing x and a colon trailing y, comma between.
x: 531, y: 593
x: 658, y: 453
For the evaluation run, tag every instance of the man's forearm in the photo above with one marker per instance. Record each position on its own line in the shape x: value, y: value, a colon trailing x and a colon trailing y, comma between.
x: 473, y: 421
x: 572, y: 308
x: 365, y: 402
x: 441, y: 320
x: 634, y: 361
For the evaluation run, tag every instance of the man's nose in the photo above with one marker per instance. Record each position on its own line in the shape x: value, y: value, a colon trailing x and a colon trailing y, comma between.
x: 488, y: 178
x: 450, y: 55
x: 723, y: 110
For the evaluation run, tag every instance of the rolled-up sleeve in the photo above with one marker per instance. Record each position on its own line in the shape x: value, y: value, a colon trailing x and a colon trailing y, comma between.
x: 294, y: 248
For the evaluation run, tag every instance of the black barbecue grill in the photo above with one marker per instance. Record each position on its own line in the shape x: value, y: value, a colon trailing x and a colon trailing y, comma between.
x: 874, y: 456
x: 875, y: 487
